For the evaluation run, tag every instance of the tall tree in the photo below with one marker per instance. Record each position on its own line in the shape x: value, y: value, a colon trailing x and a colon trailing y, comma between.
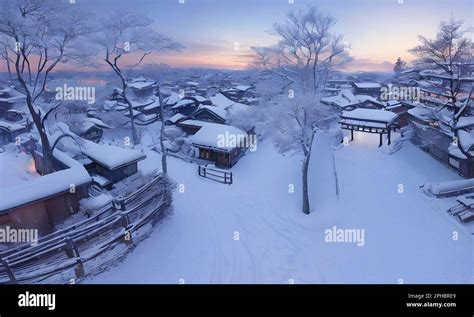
x: 44, y: 34
x: 126, y: 33
x: 307, y: 52
x: 447, y: 55
x: 399, y: 66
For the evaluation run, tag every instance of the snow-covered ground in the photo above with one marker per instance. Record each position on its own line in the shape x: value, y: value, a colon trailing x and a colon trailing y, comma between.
x: 253, y: 231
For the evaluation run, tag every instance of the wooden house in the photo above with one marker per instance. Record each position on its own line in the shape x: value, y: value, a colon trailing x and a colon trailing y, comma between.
x: 8, y: 98
x: 190, y: 127
x: 210, y: 114
x: 186, y: 106
x: 9, y: 131
x: 45, y: 201
x: 90, y: 129
x: 142, y: 87
x: 367, y: 88
x: 221, y: 144
x: 238, y: 93
x: 112, y: 162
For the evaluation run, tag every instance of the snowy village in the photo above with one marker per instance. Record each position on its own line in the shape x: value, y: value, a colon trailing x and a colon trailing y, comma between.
x: 183, y: 142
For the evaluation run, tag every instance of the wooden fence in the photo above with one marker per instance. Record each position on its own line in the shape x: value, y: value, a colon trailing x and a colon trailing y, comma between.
x: 216, y: 175
x: 85, y: 248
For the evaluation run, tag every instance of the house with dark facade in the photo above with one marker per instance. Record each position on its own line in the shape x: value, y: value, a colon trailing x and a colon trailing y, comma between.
x: 221, y: 144
x: 367, y: 88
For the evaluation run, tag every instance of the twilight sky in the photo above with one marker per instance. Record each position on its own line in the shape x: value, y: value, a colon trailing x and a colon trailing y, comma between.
x: 378, y: 31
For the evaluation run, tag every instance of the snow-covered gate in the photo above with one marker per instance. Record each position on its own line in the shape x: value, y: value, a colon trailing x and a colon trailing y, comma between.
x: 70, y: 254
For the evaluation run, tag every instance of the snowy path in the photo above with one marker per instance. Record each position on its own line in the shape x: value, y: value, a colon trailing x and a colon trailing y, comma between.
x: 407, y: 236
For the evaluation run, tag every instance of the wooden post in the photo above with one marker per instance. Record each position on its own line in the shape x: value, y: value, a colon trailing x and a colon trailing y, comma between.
x: 388, y: 135
x: 204, y: 169
x: 352, y: 134
x: 231, y: 178
x: 380, y: 143
x: 225, y: 177
x: 73, y: 252
x: 79, y: 269
x: 10, y: 274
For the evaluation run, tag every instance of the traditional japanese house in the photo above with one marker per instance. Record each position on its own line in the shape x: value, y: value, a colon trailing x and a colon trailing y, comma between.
x: 45, y: 201
x: 112, y: 162
x: 367, y: 88
x: 210, y: 114
x: 221, y: 144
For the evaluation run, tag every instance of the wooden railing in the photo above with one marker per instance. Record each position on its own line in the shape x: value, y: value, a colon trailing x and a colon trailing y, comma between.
x: 65, y: 256
x: 216, y: 175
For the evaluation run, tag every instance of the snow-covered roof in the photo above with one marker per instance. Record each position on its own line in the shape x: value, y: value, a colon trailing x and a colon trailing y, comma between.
x: 346, y: 98
x: 210, y: 135
x: 360, y: 114
x: 367, y: 85
x: 111, y: 157
x: 183, y: 103
x: 141, y: 85
x: 154, y: 105
x: 216, y: 110
x: 45, y: 186
x: 176, y: 118
x: 135, y: 113
x: 237, y: 107
x: 85, y: 126
x: 11, y: 127
x: 138, y: 104
x: 12, y: 99
x: 242, y: 87
x: 195, y: 123
x: 464, y: 122
x: 110, y: 104
x: 220, y: 100
x: 172, y: 99
x: 421, y: 112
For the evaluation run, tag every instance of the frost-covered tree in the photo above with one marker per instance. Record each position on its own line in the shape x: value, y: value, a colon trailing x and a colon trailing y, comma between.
x: 306, y: 53
x: 448, y: 54
x: 400, y: 66
x: 124, y: 33
x: 44, y: 34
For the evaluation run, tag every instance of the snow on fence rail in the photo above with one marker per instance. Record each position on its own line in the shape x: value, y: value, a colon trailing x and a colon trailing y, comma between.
x: 62, y: 255
x: 215, y: 175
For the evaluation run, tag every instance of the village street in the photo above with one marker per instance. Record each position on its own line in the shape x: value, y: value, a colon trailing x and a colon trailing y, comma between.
x: 253, y: 231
